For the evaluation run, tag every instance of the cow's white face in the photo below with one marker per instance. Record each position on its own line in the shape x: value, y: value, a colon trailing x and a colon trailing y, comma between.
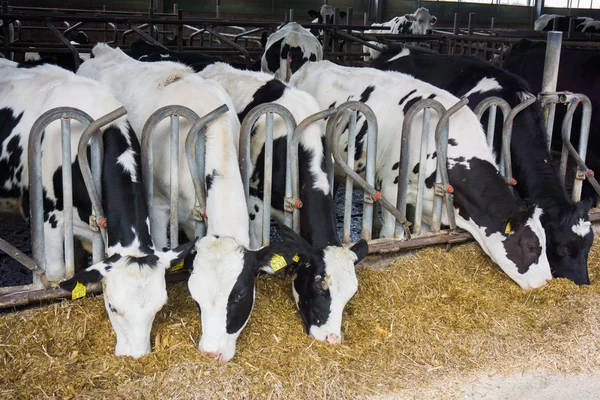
x: 134, y: 291
x: 422, y: 21
x: 223, y: 285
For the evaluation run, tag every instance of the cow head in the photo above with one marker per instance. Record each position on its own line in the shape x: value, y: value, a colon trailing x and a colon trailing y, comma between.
x: 134, y: 291
x: 570, y: 237
x: 324, y: 15
x: 324, y: 281
x: 222, y: 283
x: 422, y: 21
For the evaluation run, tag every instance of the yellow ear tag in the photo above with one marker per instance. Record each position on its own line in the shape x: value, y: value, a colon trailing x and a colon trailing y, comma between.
x: 177, y: 266
x: 507, y: 229
x: 296, y: 258
x: 78, y: 292
x: 277, y: 262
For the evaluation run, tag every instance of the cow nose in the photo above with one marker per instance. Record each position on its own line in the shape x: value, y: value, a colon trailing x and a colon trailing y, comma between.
x: 217, y: 356
x: 333, y: 339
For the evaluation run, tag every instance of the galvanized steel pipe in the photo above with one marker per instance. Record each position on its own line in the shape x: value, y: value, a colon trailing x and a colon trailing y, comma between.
x: 550, y: 78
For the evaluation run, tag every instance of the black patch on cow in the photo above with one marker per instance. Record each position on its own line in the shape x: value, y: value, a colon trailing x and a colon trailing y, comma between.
x: 256, y: 207
x: 297, y: 58
x: 364, y: 96
x: 314, y: 303
x: 52, y: 221
x: 360, y: 139
x: 434, y: 155
x: 241, y: 298
x: 452, y: 142
x: 10, y: 166
x: 432, y: 96
x: 430, y: 180
x: 284, y: 50
x: 313, y: 57
x: 210, y: 178
x: 416, y: 169
x: 112, y: 308
x: 523, y: 249
x: 402, y: 100
x: 252, y: 216
x: 272, y: 55
x: 84, y: 276
x: 395, y: 180
x: 410, y: 103
x: 149, y: 260
x: 107, y: 268
x: 395, y: 166
x: 406, y: 27
x: 269, y: 92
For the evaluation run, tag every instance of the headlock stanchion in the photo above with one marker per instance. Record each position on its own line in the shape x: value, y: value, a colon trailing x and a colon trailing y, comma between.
x: 174, y: 112
x: 345, y: 113
x: 36, y: 196
x: 492, y: 103
x: 245, y: 162
x: 92, y: 178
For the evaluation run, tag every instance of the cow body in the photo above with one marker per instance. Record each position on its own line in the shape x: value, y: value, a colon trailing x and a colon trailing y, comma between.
x: 536, y: 176
x: 581, y: 24
x: 419, y: 23
x: 133, y: 274
x: 321, y: 310
x: 483, y: 202
x: 578, y: 73
x: 288, y: 48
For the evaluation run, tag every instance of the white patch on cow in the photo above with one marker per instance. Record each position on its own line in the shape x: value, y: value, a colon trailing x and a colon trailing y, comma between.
x: 127, y: 161
x: 217, y: 267
x: 32, y: 56
x: 590, y: 24
x: 452, y: 162
x: 582, y: 228
x: 341, y: 279
x: 405, y: 52
x: 484, y: 85
x: 523, y: 95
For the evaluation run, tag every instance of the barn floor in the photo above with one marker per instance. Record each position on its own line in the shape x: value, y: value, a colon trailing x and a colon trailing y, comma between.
x: 433, y: 324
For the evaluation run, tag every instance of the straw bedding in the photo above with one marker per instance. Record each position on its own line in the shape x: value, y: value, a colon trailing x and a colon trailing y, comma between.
x: 429, y: 315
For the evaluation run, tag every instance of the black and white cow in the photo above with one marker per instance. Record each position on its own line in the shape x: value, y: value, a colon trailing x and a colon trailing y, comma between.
x: 323, y: 16
x: 133, y: 274
x: 419, y: 23
x: 288, y: 48
x: 568, y: 229
x: 507, y: 229
x: 222, y: 281
x: 323, y: 257
x: 581, y: 24
x: 578, y: 73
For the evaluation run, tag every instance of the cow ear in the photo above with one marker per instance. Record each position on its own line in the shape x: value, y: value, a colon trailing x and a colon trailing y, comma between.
x: 433, y: 20
x: 290, y: 236
x: 410, y: 17
x: 170, y: 258
x: 361, y: 249
x: 343, y: 14
x: 91, y: 274
x: 313, y: 14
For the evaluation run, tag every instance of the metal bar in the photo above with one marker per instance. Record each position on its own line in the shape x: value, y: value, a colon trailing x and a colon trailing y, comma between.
x: 421, y: 177
x: 349, y: 185
x: 67, y: 182
x: 194, y: 152
x: 66, y: 42
x: 174, y: 186
x: 97, y: 153
x: 492, y: 103
x: 506, y: 158
x: 567, y: 124
x: 358, y: 40
x: 368, y: 214
x: 23, y: 259
x: 268, y: 180
x: 30, y: 296
x: 230, y: 43
x: 550, y: 78
x: 144, y: 35
x: 86, y: 173
x: 147, y: 151
x: 34, y: 154
x: 471, y: 21
x: 441, y: 141
x: 455, y: 28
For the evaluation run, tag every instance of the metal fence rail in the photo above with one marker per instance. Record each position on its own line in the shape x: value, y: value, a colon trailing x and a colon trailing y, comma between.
x: 249, y: 122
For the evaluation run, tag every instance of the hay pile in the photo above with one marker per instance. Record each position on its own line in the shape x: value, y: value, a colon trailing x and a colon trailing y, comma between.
x: 428, y: 315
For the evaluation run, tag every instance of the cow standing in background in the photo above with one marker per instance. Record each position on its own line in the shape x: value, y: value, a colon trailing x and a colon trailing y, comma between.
x: 508, y: 229
x: 419, y: 23
x: 323, y: 16
x: 325, y: 279
x: 581, y: 24
x: 133, y: 275
x: 288, y: 48
x: 567, y: 226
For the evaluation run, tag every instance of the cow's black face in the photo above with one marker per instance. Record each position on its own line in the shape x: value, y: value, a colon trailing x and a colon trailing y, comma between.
x: 311, y: 291
x: 569, y: 241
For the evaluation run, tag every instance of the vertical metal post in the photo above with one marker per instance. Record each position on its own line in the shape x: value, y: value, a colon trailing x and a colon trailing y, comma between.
x: 455, y: 29
x: 365, y: 19
x: 174, y: 176
x: 490, y: 128
x: 218, y: 9
x: 368, y: 204
x: 571, y: 27
x: 421, y: 176
x: 200, y: 226
x: 180, y: 31
x: 471, y: 21
x: 492, y: 23
x: 67, y: 181
x: 98, y: 252
x: 268, y: 180
x: 550, y: 78
x: 291, y: 15
x: 349, y: 181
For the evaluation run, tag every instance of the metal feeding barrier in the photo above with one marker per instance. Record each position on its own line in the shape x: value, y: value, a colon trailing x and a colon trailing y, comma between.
x: 194, y: 151
x: 248, y: 125
x: 41, y: 288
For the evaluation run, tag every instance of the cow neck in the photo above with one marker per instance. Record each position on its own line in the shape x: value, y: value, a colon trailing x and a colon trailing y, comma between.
x: 122, y: 190
x: 317, y: 215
